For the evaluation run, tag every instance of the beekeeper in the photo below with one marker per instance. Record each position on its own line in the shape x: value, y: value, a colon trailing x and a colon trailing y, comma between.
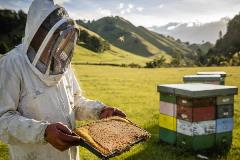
x: 40, y: 98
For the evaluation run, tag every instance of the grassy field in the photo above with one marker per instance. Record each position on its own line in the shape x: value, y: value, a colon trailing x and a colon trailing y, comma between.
x: 113, y: 56
x: 134, y: 91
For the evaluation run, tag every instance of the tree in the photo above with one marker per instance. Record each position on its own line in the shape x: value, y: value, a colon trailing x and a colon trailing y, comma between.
x: 92, y: 42
x: 227, y: 45
x: 11, y: 29
x: 156, y: 63
x: 84, y: 36
x: 176, y: 61
x: 220, y: 34
x: 201, y: 59
x: 3, y: 48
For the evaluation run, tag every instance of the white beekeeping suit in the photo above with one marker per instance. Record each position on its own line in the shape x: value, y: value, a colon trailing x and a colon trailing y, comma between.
x: 32, y: 97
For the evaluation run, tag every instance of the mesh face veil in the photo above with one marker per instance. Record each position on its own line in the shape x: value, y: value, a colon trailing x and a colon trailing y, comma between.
x: 52, y: 47
x: 63, y: 50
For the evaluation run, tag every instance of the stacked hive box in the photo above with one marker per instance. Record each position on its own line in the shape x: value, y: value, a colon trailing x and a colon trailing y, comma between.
x: 196, y: 116
x: 208, y: 79
x: 222, y: 74
x: 168, y: 118
x: 225, y: 112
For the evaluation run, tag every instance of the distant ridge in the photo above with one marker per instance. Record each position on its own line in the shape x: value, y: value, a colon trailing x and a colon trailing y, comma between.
x: 138, y: 40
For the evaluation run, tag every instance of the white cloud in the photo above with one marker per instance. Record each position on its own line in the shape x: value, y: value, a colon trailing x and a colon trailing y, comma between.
x: 160, y: 6
x: 122, y: 12
x: 173, y: 27
x: 121, y: 5
x: 104, y: 12
x: 193, y: 24
x: 130, y: 6
x: 154, y: 12
x: 128, y: 10
x: 140, y: 9
x: 61, y: 1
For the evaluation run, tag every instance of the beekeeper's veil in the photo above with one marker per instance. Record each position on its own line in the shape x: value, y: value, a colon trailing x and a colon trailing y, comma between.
x: 50, y: 37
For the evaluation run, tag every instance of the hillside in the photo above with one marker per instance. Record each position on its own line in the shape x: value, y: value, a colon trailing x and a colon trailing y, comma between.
x: 112, y: 56
x: 227, y: 49
x: 204, y: 48
x: 194, y: 32
x: 137, y: 40
x: 12, y: 35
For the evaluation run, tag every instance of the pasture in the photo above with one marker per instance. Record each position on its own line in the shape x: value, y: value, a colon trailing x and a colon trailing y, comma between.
x: 134, y: 91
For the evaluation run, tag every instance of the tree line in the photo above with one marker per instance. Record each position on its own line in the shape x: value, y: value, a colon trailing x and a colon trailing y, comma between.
x: 12, y: 28
x: 226, y: 51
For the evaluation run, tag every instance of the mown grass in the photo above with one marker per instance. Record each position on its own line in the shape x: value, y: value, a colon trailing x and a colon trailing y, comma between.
x: 134, y: 91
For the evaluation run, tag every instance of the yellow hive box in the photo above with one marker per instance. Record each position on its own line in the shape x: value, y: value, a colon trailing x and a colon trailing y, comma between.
x: 168, y: 122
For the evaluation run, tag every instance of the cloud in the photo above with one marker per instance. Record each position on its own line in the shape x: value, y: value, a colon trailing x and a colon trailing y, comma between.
x: 104, y: 12
x: 143, y: 12
x: 140, y: 9
x: 193, y: 24
x: 122, y: 12
x: 172, y: 27
x: 160, y: 6
x: 130, y: 6
x: 62, y: 1
x: 121, y: 5
x: 127, y: 9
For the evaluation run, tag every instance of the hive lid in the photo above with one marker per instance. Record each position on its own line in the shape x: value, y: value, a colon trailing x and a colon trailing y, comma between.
x: 197, y: 90
x: 223, y: 74
x: 201, y: 78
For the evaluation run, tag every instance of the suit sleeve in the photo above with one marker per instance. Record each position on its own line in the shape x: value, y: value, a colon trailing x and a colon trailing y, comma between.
x: 14, y: 128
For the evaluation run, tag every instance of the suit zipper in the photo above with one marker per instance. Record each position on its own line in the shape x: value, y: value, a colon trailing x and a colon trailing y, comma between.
x: 63, y: 107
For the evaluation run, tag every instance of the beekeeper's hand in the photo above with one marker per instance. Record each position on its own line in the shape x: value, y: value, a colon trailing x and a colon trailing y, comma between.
x: 110, y: 111
x: 60, y: 136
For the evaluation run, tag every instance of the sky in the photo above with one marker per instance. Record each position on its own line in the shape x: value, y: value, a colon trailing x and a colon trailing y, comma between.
x: 143, y: 12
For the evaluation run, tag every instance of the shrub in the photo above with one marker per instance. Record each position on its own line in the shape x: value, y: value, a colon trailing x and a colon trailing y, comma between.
x: 93, y: 43
x: 156, y: 63
x: 3, y: 48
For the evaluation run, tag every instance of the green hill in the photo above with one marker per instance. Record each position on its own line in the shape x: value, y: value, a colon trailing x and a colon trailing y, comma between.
x: 112, y: 56
x: 12, y: 31
x: 137, y: 40
x: 203, y: 47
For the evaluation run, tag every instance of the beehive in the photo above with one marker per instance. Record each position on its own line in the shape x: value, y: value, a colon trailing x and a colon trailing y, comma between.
x: 222, y: 74
x: 196, y: 116
x: 208, y: 79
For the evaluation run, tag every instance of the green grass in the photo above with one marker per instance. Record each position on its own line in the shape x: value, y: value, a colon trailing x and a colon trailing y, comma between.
x: 3, y: 151
x: 113, y: 56
x: 134, y: 91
